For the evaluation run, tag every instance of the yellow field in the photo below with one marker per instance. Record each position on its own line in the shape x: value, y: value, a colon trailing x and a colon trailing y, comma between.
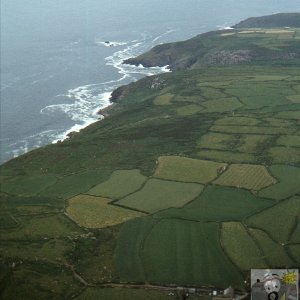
x: 163, y: 99
x: 187, y: 169
x: 252, y: 177
x: 96, y: 212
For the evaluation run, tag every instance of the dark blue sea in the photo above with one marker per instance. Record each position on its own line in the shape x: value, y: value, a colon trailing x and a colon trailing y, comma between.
x: 57, y: 69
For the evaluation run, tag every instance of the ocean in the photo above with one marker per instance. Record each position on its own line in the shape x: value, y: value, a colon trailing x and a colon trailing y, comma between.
x: 61, y: 59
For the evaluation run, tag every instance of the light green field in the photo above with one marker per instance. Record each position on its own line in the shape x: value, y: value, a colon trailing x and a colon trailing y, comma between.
x: 288, y: 155
x: 96, y: 212
x: 160, y: 194
x: 188, y: 99
x: 274, y: 253
x: 252, y: 129
x: 273, y: 122
x: 234, y: 157
x: 176, y: 250
x: 120, y: 184
x: 240, y: 247
x: 187, y: 169
x: 277, y: 220
x: 163, y: 99
x: 218, y: 203
x: 221, y: 105
x: 188, y: 110
x: 31, y: 185
x: 295, y: 252
x: 212, y: 93
x: 123, y: 294
x: 294, y: 115
x: 257, y: 101
x: 294, y: 98
x: 289, y: 140
x: 237, y: 121
x: 41, y: 227
x: 252, y: 177
x: 218, y: 141
x: 268, y: 78
x: 288, y: 182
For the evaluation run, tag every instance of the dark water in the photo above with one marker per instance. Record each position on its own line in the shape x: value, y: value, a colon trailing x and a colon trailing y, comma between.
x: 56, y: 70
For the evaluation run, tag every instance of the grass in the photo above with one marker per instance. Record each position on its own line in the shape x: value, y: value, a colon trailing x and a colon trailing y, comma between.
x: 123, y: 294
x: 187, y: 169
x: 163, y: 99
x: 293, y: 115
x: 295, y: 252
x: 278, y: 220
x: 240, y: 247
x: 7, y: 221
x: 285, y: 155
x: 252, y: 177
x: 227, y: 156
x: 217, y: 141
x: 96, y: 212
x: 75, y: 184
x: 41, y: 227
x: 294, y: 98
x: 237, y: 121
x: 287, y: 185
x: 120, y: 184
x: 221, y: 105
x: 250, y: 143
x: 289, y: 141
x: 175, y: 251
x: 252, y: 129
x: 160, y: 194
x: 53, y: 250
x: 28, y: 186
x: 274, y: 253
x: 295, y: 234
x: 189, y: 110
x: 218, y: 204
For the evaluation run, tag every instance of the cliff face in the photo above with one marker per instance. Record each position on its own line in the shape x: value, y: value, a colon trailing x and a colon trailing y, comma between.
x: 226, y: 46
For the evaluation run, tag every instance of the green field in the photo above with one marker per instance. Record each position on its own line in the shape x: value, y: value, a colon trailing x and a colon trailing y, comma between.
x: 295, y: 252
x: 237, y: 242
x: 187, y: 170
x: 252, y: 177
x: 196, y: 248
x: 160, y: 194
x: 243, y: 121
x: 287, y: 155
x: 120, y: 184
x: 221, y: 105
x: 293, y: 115
x: 218, y: 141
x: 288, y: 182
x: 228, y: 156
x: 279, y: 220
x: 163, y: 99
x: 252, y: 143
x: 97, y: 212
x: 289, y: 140
x: 274, y: 253
x: 189, y: 110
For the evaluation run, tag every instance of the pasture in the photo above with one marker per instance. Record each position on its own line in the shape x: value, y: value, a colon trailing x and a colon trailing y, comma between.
x: 236, y: 241
x: 120, y: 184
x: 251, y: 177
x: 187, y: 169
x: 97, y: 212
x: 278, y: 221
x: 160, y: 194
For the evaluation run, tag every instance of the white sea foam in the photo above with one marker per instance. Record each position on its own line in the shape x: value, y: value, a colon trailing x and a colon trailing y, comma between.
x: 110, y: 44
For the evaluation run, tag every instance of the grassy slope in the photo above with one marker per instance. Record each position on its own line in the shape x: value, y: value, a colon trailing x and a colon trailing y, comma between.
x: 36, y: 186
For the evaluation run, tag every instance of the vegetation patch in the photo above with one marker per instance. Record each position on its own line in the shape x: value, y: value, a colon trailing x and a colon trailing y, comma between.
x: 237, y: 121
x: 218, y: 141
x: 120, y: 184
x: 289, y: 141
x: 221, y: 105
x: 287, y: 185
x: 274, y: 252
x: 187, y: 169
x: 164, y: 99
x: 240, y: 247
x: 96, y: 212
x: 288, y: 155
x: 251, y: 143
x: 30, y: 185
x: 7, y: 221
x: 251, y: 177
x: 293, y: 115
x: 278, y: 220
x: 218, y: 203
x: 295, y: 252
x: 160, y: 194
x: 188, y: 110
x: 175, y: 251
x: 227, y: 156
x: 294, y: 98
